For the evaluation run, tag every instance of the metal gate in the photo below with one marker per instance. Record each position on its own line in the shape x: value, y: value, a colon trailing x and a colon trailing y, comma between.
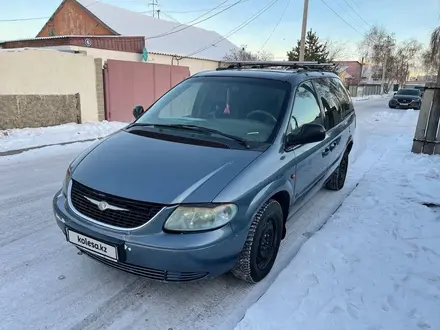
x: 127, y: 84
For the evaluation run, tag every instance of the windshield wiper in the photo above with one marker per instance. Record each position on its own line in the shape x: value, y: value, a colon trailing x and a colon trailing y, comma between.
x: 212, y: 131
x: 198, y: 129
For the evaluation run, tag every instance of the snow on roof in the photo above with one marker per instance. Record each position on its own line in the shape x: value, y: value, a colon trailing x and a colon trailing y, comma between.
x: 182, y: 43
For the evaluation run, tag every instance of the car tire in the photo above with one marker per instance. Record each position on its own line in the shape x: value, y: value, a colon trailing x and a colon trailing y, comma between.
x: 337, y: 178
x: 391, y: 106
x: 262, y: 244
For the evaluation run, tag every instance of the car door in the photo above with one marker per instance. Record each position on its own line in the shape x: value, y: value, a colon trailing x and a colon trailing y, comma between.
x: 311, y: 159
x: 336, y: 105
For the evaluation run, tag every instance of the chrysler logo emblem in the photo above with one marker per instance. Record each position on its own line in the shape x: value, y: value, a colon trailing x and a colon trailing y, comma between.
x: 102, y: 206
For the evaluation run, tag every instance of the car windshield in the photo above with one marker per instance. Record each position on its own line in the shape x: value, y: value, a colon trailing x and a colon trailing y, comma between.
x: 248, y: 108
x: 408, y: 91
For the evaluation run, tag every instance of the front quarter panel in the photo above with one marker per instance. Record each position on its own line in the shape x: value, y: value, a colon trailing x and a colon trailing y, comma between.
x: 263, y: 178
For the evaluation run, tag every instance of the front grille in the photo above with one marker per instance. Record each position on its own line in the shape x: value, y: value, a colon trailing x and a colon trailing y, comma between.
x: 155, y: 274
x: 137, y: 214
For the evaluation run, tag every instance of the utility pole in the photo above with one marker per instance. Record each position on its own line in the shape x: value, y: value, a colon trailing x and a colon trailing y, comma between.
x: 387, y: 50
x: 153, y: 4
x: 432, y: 130
x: 303, y: 31
x: 384, y: 70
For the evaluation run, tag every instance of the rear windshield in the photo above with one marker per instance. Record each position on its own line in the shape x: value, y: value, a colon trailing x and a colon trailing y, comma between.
x: 249, y: 108
x: 408, y: 91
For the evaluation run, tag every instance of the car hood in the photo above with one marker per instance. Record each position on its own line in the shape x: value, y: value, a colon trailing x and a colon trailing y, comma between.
x: 158, y: 171
x: 407, y: 97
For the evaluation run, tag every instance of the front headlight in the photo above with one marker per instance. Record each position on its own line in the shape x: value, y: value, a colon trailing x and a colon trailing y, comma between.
x: 200, y: 218
x: 66, y: 181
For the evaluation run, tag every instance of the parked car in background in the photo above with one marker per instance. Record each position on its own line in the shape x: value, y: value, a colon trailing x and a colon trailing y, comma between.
x: 203, y: 182
x: 406, y: 98
x: 421, y: 88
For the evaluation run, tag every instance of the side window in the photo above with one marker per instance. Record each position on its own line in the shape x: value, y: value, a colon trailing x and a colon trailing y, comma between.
x: 305, y: 107
x: 328, y: 93
x: 181, y: 105
x: 343, y: 97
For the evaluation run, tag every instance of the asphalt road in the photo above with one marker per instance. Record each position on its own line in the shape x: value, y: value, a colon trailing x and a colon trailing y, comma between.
x: 46, y: 284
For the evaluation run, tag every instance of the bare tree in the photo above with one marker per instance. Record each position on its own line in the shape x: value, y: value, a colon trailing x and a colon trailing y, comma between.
x: 264, y: 55
x: 392, y: 61
x: 403, y: 60
x: 337, y: 50
x: 431, y: 57
x: 242, y: 54
x: 371, y: 46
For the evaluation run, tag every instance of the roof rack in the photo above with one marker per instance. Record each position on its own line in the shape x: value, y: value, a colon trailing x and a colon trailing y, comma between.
x: 287, y: 65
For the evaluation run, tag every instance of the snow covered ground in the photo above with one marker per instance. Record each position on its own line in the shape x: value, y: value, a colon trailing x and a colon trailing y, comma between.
x: 376, y: 263
x: 370, y: 97
x: 14, y: 139
x: 42, y: 273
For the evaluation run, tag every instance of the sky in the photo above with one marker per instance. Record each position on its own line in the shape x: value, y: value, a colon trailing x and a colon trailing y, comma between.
x: 342, y: 21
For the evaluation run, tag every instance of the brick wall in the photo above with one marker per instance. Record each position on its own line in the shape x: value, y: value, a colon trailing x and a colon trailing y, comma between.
x: 20, y: 111
x: 72, y: 19
x: 99, y: 89
x: 354, y: 68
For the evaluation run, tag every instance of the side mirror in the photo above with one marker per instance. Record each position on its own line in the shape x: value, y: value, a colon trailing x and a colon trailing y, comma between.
x: 138, y: 111
x: 308, y: 133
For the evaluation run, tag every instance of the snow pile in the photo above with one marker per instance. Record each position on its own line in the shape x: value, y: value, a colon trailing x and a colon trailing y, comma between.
x: 376, y: 263
x: 14, y: 139
x: 369, y: 97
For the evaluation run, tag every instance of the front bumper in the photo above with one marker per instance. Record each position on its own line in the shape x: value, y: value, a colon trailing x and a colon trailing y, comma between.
x: 406, y: 105
x: 157, y: 255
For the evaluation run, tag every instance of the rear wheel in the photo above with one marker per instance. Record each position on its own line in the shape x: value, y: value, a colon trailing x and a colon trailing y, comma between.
x: 262, y: 244
x: 337, y: 179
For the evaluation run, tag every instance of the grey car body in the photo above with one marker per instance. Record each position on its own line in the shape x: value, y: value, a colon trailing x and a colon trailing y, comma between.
x: 120, y: 194
x: 406, y: 98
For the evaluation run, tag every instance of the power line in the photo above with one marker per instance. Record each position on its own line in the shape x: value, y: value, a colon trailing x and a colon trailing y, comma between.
x: 38, y: 18
x: 325, y: 3
x: 181, y: 25
x: 356, y: 12
x: 188, y: 25
x: 276, y: 25
x: 23, y: 19
x: 221, y: 5
x: 169, y: 16
x: 195, y: 10
x: 235, y: 30
x: 345, y: 12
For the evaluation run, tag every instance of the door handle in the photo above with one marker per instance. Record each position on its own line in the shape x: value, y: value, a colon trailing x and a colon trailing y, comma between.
x: 326, y: 152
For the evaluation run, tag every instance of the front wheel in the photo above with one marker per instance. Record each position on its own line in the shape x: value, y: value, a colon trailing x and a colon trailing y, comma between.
x: 262, y: 244
x: 337, y: 178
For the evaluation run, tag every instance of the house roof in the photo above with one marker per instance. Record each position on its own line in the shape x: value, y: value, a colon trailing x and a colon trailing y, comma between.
x: 182, y: 43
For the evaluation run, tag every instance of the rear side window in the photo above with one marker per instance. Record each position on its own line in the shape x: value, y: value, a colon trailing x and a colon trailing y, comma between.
x: 328, y: 92
x: 342, y: 95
